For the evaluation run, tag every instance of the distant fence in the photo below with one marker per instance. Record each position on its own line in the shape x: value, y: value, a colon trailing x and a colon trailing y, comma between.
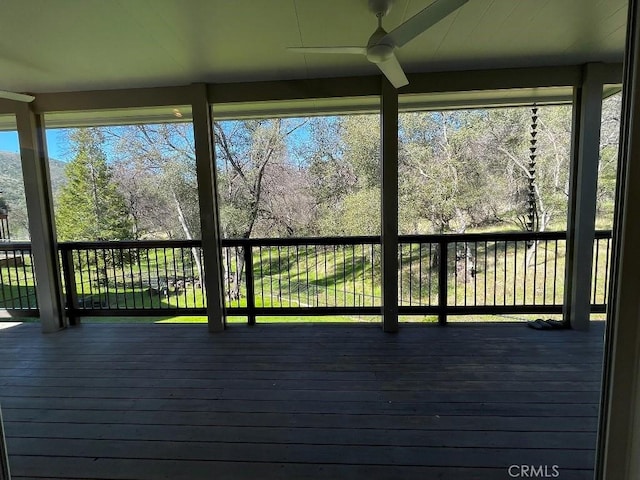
x: 438, y: 275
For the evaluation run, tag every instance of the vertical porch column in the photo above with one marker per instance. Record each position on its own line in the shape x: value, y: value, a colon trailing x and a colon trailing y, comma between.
x: 37, y: 189
x: 207, y: 193
x: 618, y: 452
x: 389, y: 149
x: 583, y: 179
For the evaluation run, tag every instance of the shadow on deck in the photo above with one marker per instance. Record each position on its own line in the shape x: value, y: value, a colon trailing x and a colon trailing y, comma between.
x: 299, y: 401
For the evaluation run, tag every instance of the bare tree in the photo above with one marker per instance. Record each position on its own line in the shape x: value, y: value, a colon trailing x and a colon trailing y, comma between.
x: 164, y: 155
x: 248, y: 152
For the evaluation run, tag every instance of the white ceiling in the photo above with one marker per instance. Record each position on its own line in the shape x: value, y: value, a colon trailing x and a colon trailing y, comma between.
x: 70, y: 45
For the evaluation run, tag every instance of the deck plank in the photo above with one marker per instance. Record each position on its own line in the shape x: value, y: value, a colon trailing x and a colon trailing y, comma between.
x: 299, y: 401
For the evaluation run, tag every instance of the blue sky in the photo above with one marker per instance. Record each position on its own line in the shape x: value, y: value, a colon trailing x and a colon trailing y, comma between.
x: 58, y: 149
x: 9, y: 143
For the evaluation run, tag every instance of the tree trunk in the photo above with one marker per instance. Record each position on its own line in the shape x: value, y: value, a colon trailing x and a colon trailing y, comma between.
x: 195, y: 253
x: 234, y: 290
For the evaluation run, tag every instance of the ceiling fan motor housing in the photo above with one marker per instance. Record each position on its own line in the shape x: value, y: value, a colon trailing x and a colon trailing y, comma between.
x: 378, y: 52
x: 380, y: 7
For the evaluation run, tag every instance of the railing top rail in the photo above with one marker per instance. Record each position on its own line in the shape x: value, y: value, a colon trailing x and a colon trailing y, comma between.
x: 130, y: 244
x: 5, y: 246
x: 301, y: 241
x: 604, y: 234
x: 492, y: 236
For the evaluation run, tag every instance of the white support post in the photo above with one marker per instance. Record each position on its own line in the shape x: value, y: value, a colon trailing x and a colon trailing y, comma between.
x: 207, y: 192
x: 389, y: 194
x: 582, y: 197
x: 618, y: 453
x: 44, y: 247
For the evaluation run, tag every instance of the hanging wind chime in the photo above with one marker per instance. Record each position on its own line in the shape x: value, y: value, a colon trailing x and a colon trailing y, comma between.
x: 532, y: 216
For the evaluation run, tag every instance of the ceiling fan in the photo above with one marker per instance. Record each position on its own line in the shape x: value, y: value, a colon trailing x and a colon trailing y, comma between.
x: 382, y: 44
x: 18, y: 97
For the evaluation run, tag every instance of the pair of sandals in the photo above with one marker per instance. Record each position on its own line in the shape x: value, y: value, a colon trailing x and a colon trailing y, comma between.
x: 548, y: 324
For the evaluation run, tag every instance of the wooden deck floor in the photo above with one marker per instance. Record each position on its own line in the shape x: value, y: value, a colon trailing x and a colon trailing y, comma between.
x: 299, y: 401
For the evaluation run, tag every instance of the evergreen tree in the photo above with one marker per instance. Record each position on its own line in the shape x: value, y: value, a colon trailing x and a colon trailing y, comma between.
x: 90, y: 206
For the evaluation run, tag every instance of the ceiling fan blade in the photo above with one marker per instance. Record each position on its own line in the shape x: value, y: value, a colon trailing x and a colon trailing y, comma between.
x: 422, y: 21
x: 18, y: 97
x: 345, y: 50
x: 393, y: 71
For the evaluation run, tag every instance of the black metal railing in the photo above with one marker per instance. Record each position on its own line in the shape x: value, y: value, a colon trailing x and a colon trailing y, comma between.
x: 492, y: 273
x: 133, y: 278
x: 17, y: 280
x: 438, y: 275
x: 302, y: 276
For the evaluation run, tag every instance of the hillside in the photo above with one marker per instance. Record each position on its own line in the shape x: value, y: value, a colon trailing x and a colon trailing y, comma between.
x: 12, y: 188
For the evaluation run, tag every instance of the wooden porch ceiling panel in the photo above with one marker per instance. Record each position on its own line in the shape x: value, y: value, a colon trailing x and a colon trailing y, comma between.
x: 76, y: 46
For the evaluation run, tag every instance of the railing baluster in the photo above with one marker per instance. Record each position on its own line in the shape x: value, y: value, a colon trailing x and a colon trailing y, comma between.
x: 555, y: 270
x: 33, y: 299
x: 148, y: 279
x: 429, y: 272
x: 354, y: 269
x: 280, y: 280
x: 410, y: 273
x: 261, y: 276
x: 136, y: 255
x: 524, y: 262
x: 131, y: 282
x: 193, y: 252
x: 18, y: 282
x: 484, y: 273
x: 184, y: 276
x: 466, y: 270
x: 248, y: 278
x: 306, y: 269
x: 495, y: 272
x: 157, y: 285
x: 3, y: 294
x: 420, y: 245
x: 465, y: 277
x: 68, y: 272
x: 363, y: 276
x: 544, y: 282
x: 535, y: 270
x: 607, y: 272
x: 24, y: 277
x: 443, y: 246
x: 122, y: 261
x: 112, y: 253
x: 400, y: 271
x: 515, y: 271
x: 10, y: 281
x: 594, y: 298
x: 455, y: 274
x: 270, y: 277
x: 474, y: 273
x: 344, y: 275
x: 175, y: 276
x: 504, y: 285
x: 372, y: 274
